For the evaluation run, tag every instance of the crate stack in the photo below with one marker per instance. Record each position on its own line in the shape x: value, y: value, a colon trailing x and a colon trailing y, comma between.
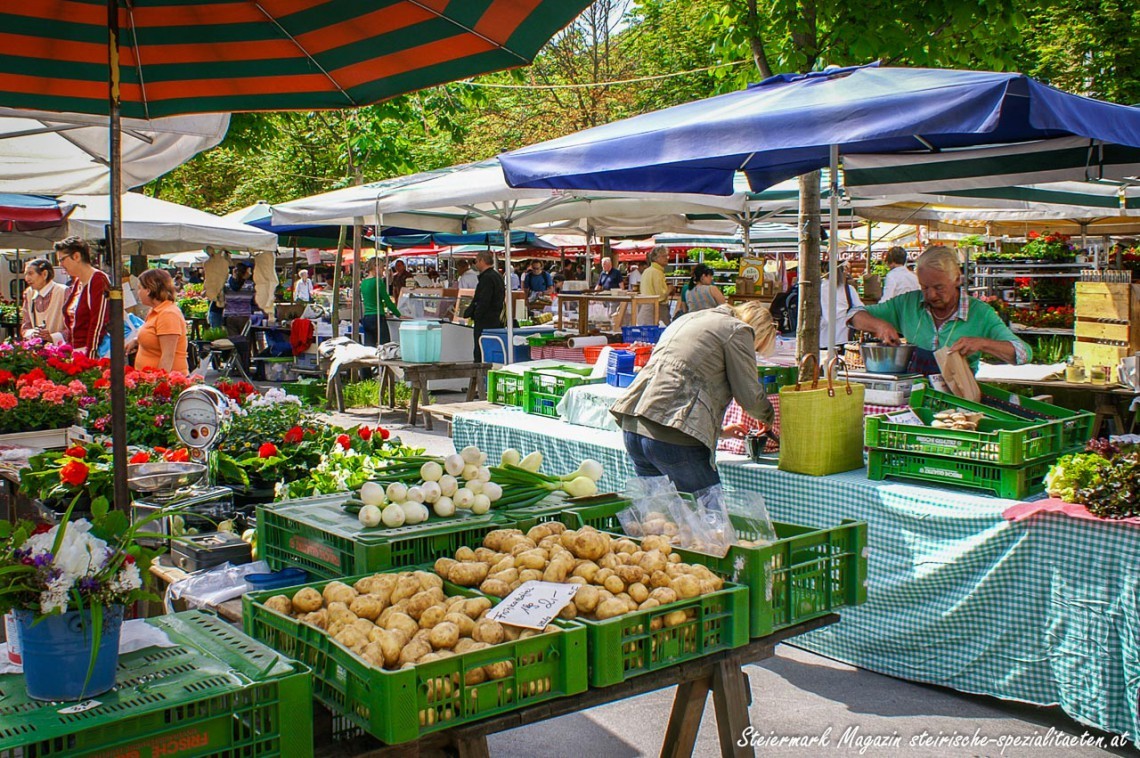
x: 1016, y: 443
x: 536, y: 390
x: 1108, y: 323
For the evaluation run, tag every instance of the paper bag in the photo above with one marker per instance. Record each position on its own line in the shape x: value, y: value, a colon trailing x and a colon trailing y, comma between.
x: 957, y: 375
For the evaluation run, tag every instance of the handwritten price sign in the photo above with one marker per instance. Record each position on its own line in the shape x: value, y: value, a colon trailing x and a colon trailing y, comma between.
x: 533, y: 604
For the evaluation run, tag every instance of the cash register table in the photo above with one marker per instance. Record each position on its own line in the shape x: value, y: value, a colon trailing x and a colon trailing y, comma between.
x: 1042, y: 610
x: 720, y: 673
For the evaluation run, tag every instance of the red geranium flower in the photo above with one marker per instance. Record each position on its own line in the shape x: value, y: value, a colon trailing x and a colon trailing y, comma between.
x: 1033, y: 235
x: 140, y: 457
x: 344, y: 441
x: 384, y: 433
x: 74, y: 473
x: 267, y: 450
x: 365, y: 433
x: 76, y: 451
x: 294, y: 435
x: 6, y: 377
x: 162, y: 390
x: 181, y: 455
x: 101, y: 384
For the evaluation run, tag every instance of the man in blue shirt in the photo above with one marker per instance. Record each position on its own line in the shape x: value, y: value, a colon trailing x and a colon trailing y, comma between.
x: 537, y: 282
x: 610, y: 278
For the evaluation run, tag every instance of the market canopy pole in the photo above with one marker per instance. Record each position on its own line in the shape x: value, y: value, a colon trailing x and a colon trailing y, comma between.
x: 114, y: 235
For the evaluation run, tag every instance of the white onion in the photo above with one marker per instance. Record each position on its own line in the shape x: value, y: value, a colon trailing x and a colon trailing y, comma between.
x: 483, y: 474
x: 470, y: 471
x: 475, y: 486
x: 397, y: 492
x: 372, y: 493
x: 369, y: 516
x: 470, y: 454
x: 481, y: 505
x: 448, y: 484
x: 415, y: 494
x: 432, y: 491
x: 492, y: 491
x: 463, y: 498
x: 444, y: 508
x: 453, y: 464
x: 392, y: 516
x: 431, y: 471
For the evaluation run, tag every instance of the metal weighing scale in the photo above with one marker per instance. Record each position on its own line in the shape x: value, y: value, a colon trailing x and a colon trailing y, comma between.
x: 187, y: 490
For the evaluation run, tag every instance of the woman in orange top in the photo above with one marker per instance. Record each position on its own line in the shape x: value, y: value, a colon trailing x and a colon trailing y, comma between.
x: 161, y: 340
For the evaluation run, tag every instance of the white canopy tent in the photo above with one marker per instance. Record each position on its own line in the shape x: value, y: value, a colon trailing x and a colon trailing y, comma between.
x: 475, y: 198
x: 154, y: 227
x: 58, y: 153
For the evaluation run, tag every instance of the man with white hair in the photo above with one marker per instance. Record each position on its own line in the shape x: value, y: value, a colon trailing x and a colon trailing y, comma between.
x: 941, y: 315
x: 610, y: 278
x: 303, y: 289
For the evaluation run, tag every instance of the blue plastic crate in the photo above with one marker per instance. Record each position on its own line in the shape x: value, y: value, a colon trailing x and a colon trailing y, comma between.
x: 648, y: 334
x: 620, y: 380
x: 621, y: 362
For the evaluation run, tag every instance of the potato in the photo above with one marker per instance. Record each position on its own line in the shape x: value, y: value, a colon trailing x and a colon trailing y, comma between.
x: 373, y: 654
x: 467, y: 574
x: 639, y: 592
x: 340, y: 612
x: 663, y: 595
x: 475, y: 676
x: 614, y: 584
x: 510, y: 633
x: 558, y: 569
x: 587, y: 570
x: 659, y: 579
x: 483, y: 554
x: 625, y: 598
x: 631, y: 574
x: 488, y: 631
x: 647, y: 604
x: 551, y: 543
x: 428, y: 580
x: 674, y: 557
x: 406, y: 586
x: 576, y: 580
x: 610, y: 608
x: 413, y: 651
x: 462, y: 622
x: 500, y: 670
x: 364, y: 626
x: 530, y: 575
x: 433, y: 616
x: 657, y: 543
x: 504, y: 563
x: 602, y: 575
x: 404, y: 623
x: 352, y: 639
x: 539, y: 533
x: 466, y: 644
x: 307, y: 600
x: 495, y: 588
x: 686, y: 587
x: 419, y: 603
x: 508, y: 576
x: 569, y: 612
x: 319, y: 619
x: 531, y: 559
x: 476, y: 606
x: 366, y: 607
x: 465, y: 554
x: 444, y: 635
x: 494, y: 540
x: 653, y: 560
x: 443, y: 566
x: 338, y: 592
x: 609, y: 561
x: 675, y: 618
x: 586, y: 599
x: 280, y: 604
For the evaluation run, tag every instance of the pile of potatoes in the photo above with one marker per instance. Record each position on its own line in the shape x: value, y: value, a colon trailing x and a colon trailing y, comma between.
x: 395, y: 621
x: 617, y: 575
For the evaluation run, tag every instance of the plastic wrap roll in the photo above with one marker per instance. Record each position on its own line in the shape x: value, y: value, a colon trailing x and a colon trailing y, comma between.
x: 580, y: 342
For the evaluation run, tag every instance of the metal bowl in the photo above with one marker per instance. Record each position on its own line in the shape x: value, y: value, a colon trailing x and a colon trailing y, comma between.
x: 886, y: 359
x: 163, y: 476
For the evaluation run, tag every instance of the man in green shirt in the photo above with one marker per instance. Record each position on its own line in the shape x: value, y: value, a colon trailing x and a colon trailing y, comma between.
x: 653, y: 283
x: 940, y: 315
x: 377, y: 304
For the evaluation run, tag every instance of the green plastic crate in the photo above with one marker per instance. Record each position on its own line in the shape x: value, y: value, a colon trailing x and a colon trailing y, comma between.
x: 556, y: 382
x: 506, y: 388
x: 1012, y: 482
x: 808, y: 572
x: 1001, y: 441
x: 216, y: 692
x: 317, y: 535
x: 399, y: 706
x: 309, y: 390
x: 548, y: 509
x: 1076, y: 426
x: 785, y: 375
x: 629, y: 645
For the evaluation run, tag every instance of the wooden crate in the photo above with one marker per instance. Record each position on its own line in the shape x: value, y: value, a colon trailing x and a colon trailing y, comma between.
x: 1107, y: 328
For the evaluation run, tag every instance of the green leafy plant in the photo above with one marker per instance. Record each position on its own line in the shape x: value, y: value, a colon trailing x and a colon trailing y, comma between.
x: 1075, y: 472
x: 1052, y: 349
x: 365, y: 394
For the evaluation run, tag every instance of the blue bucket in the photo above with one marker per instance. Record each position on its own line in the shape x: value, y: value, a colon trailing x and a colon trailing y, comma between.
x: 57, y: 654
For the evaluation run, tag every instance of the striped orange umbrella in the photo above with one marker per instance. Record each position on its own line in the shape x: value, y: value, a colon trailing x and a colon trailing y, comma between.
x: 200, y: 56
x: 151, y: 58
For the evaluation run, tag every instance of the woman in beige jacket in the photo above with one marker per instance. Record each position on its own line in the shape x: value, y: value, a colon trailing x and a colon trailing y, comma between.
x: 671, y: 415
x: 42, y: 312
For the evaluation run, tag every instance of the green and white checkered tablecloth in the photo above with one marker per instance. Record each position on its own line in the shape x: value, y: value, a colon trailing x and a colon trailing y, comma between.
x: 1045, y: 610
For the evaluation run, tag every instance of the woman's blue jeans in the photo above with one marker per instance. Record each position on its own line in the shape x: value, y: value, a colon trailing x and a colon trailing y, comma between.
x: 689, y: 467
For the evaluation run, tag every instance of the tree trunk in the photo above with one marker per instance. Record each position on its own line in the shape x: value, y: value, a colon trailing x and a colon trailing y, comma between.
x: 807, y: 329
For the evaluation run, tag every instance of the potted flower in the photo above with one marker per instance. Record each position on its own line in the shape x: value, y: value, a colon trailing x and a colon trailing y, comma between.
x: 65, y: 588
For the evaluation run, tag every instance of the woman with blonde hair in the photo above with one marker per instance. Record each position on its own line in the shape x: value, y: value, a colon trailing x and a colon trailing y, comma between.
x: 161, y: 340
x: 672, y: 414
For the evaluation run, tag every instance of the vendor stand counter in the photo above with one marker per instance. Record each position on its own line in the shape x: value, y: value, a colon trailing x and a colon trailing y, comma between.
x: 624, y: 312
x: 1043, y: 610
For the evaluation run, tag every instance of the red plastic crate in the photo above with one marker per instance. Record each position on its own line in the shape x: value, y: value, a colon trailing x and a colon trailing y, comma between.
x: 641, y: 353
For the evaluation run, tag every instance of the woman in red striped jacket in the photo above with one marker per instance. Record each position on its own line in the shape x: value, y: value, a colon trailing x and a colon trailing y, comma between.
x: 86, y: 312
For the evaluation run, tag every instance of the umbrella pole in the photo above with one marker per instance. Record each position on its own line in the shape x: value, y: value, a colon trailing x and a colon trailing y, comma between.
x: 113, y: 233
x: 509, y: 353
x: 832, y: 249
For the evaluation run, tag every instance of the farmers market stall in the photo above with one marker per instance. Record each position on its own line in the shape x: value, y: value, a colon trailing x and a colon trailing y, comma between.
x: 1040, y: 610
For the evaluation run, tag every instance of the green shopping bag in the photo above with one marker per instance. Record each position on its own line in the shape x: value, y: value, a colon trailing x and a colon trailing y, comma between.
x: 821, y: 428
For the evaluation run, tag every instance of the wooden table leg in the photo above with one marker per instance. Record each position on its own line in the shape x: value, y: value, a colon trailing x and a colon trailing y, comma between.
x: 414, y: 404
x: 731, y: 698
x: 472, y: 747
x: 685, y: 719
x: 472, y: 387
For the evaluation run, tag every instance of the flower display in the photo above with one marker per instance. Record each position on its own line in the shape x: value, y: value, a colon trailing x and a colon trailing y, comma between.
x: 267, y: 450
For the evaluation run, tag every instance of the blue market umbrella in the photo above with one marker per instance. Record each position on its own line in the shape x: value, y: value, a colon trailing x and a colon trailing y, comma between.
x: 392, y: 238
x: 792, y: 124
